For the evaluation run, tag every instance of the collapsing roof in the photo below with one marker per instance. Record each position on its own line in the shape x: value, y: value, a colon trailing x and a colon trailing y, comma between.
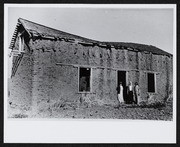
x: 39, y: 31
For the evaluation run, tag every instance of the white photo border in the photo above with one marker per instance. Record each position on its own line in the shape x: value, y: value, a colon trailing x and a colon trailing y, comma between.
x: 88, y: 131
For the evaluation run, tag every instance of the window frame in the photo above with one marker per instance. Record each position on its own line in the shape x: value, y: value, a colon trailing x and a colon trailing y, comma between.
x: 21, y: 43
x: 90, y: 91
x: 155, y: 86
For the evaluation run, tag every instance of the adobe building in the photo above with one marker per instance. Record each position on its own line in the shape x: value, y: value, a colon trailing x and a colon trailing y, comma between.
x: 50, y: 65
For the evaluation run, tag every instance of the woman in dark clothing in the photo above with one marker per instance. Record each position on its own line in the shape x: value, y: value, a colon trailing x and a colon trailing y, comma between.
x: 130, y: 93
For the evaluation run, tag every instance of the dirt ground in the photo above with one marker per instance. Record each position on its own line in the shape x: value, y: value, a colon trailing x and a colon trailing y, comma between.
x: 124, y: 111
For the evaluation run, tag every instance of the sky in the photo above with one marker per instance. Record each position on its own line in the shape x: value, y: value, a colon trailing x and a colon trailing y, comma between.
x: 144, y: 26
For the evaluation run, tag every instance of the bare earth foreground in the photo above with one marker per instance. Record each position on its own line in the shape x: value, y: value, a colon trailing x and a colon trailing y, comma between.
x: 156, y: 111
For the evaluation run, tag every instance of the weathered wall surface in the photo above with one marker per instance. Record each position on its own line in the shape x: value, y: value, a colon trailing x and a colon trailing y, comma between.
x: 104, y: 86
x: 52, y: 82
x: 49, y: 74
x: 21, y: 82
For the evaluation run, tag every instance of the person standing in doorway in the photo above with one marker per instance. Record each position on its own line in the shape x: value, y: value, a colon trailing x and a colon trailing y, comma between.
x: 136, y: 93
x: 130, y: 93
x: 120, y: 95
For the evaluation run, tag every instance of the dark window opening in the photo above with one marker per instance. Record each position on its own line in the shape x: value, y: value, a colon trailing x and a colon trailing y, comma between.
x: 84, y: 79
x: 151, y: 82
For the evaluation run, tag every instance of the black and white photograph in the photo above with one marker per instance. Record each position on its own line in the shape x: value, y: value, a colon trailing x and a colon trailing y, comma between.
x: 80, y: 62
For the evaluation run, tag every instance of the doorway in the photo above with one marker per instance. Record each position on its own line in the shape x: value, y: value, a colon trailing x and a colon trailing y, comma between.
x: 121, y: 77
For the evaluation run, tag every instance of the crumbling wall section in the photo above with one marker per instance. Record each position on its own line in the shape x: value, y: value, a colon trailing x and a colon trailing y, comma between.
x: 43, y: 70
x: 162, y: 79
x: 99, y: 59
x: 56, y: 67
x: 21, y: 81
x: 104, y: 86
x: 171, y: 76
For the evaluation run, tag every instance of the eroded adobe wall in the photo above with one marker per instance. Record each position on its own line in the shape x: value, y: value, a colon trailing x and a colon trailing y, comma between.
x: 21, y: 82
x: 164, y: 77
x: 161, y: 66
x: 165, y: 80
x: 53, y: 83
x: 138, y: 64
x: 171, y: 77
x: 56, y: 71
x: 104, y: 64
x: 104, y: 86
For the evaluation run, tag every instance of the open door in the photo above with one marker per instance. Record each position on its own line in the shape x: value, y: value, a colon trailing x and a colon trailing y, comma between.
x: 121, y: 77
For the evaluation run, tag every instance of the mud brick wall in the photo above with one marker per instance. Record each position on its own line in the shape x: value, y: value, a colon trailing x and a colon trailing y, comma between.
x: 162, y: 67
x: 103, y: 80
x: 21, y: 82
x: 104, y: 86
x: 60, y: 82
x: 52, y: 82
x: 44, y: 82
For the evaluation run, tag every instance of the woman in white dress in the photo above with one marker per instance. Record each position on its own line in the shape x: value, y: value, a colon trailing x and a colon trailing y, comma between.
x: 120, y: 94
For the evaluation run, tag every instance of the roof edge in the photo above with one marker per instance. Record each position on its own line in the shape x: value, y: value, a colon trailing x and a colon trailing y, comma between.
x: 159, y: 51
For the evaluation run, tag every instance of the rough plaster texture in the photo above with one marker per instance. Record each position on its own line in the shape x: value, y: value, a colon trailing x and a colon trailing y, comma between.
x: 45, y: 82
x: 21, y: 82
